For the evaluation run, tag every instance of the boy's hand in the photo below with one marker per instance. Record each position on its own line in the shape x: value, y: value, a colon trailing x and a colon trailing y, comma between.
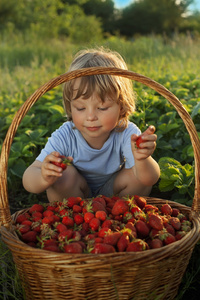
x: 144, y: 145
x: 52, y: 166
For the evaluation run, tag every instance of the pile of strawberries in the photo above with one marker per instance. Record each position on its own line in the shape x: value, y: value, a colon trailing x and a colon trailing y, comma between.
x: 101, y: 225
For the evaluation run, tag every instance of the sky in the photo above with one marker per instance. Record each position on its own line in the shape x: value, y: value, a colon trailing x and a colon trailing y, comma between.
x: 123, y: 3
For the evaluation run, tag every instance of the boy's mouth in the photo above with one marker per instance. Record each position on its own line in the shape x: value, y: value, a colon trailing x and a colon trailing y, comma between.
x: 94, y: 128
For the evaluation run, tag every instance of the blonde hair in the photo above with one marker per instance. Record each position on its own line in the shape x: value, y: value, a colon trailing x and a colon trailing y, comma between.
x: 117, y: 88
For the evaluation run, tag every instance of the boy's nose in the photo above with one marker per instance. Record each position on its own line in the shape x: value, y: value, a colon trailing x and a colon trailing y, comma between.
x: 91, y: 115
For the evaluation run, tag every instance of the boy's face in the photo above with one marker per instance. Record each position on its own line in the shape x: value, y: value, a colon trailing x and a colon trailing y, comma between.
x: 95, y: 119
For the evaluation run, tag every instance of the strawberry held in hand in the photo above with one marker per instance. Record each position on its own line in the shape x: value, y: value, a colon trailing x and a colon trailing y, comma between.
x: 64, y: 163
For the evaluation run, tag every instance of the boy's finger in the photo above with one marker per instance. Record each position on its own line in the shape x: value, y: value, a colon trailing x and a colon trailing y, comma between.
x: 150, y: 130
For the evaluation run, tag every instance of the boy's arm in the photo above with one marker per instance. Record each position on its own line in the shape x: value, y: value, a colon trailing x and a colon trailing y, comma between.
x: 39, y: 176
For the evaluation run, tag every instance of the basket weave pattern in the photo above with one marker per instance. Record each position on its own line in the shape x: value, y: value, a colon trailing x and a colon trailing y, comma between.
x: 142, y: 275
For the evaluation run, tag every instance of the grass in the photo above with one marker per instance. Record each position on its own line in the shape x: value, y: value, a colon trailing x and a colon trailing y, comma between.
x: 27, y: 62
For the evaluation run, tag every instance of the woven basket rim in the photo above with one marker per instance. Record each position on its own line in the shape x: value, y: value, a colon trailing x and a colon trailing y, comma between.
x: 5, y: 216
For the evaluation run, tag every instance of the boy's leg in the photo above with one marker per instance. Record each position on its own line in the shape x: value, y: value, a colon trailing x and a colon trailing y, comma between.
x: 72, y: 183
x: 127, y: 184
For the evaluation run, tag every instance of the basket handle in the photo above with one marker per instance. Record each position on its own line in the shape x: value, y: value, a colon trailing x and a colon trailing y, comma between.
x: 5, y: 215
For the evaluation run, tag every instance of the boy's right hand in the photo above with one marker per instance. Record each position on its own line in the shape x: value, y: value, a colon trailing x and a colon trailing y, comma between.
x: 51, y: 167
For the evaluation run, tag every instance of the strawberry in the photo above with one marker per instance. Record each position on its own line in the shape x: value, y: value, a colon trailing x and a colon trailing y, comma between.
x: 30, y: 236
x: 103, y: 232
x: 73, y: 247
x: 142, y: 229
x: 175, y: 212
x: 166, y: 209
x: 103, y: 248
x: 68, y: 221
x: 101, y: 215
x: 120, y: 207
x: 71, y: 201
x: 150, y: 208
x: 155, y: 243
x: 94, y: 224
x: 63, y: 212
x: 154, y: 233
x: 65, y: 235
x: 100, y: 200
x: 78, y: 219
x: 77, y: 208
x: 76, y: 236
x: 61, y: 227
x: 112, y: 238
x: 170, y: 229
x: 186, y: 226
x: 180, y: 234
x: 123, y: 242
x: 139, y: 141
x: 21, y: 218
x: 137, y: 245
x: 37, y: 214
x: 48, y: 220
x: 156, y: 222
x: 64, y: 162
x: 36, y: 207
x: 88, y: 216
x: 167, y: 238
x: 48, y: 213
x: 107, y: 223
x: 97, y: 206
x: 23, y: 228
x: 140, y: 201
x: 27, y: 222
x: 175, y: 222
x: 53, y: 248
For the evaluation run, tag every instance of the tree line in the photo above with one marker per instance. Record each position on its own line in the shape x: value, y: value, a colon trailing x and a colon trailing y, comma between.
x: 82, y: 19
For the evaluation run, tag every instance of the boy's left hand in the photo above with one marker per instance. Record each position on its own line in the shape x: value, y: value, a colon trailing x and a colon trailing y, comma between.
x: 145, y: 145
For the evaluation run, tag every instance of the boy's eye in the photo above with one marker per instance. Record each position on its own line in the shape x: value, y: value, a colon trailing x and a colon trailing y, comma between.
x: 80, y: 108
x: 103, y: 108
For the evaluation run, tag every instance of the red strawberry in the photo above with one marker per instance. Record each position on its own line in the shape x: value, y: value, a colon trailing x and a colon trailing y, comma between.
x: 53, y: 248
x: 36, y: 207
x: 103, y: 231
x: 71, y: 201
x: 112, y: 238
x: 74, y: 247
x: 63, y: 212
x: 123, y: 242
x: 21, y: 218
x: 180, y: 234
x: 175, y: 212
x: 64, y: 163
x: 175, y: 222
x: 154, y: 233
x: 103, y: 248
x: 94, y: 224
x: 120, y: 207
x: 97, y: 206
x: 150, y: 208
x: 156, y: 222
x: 139, y: 141
x: 65, y: 235
x: 61, y: 227
x: 107, y: 224
x: 30, y: 236
x: 23, y: 228
x: 101, y: 215
x: 170, y: 229
x: 142, y: 229
x: 78, y: 219
x: 167, y: 238
x: 186, y: 225
x: 68, y: 221
x: 48, y: 213
x: 37, y: 214
x: 166, y: 209
x: 27, y: 222
x: 137, y: 245
x: 100, y: 200
x: 140, y: 201
x: 88, y: 216
x: 155, y: 243
x: 77, y: 208
x: 48, y: 220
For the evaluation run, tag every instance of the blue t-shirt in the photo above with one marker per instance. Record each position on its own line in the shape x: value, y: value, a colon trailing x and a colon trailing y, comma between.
x: 96, y: 165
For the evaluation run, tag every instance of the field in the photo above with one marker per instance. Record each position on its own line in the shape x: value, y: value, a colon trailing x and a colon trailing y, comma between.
x: 27, y: 62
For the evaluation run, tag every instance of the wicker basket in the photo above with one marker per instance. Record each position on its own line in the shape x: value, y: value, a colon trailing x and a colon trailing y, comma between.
x: 143, y: 275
